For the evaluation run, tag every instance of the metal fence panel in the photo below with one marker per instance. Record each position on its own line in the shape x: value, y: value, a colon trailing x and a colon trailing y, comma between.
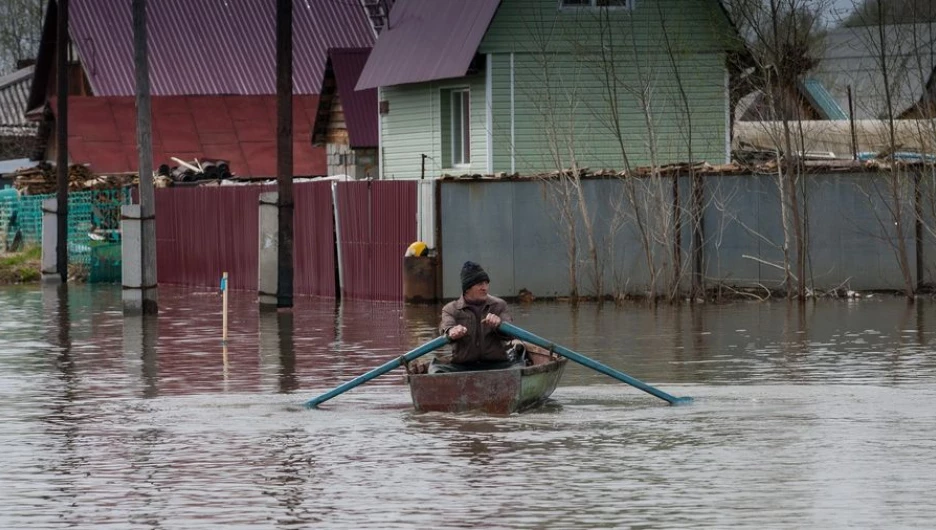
x: 377, y: 222
x: 314, y: 237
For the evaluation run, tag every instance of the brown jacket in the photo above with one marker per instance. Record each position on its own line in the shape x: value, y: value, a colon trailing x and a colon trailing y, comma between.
x: 482, y: 343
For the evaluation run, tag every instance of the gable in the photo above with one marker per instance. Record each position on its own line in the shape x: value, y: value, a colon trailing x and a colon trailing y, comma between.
x: 359, y: 107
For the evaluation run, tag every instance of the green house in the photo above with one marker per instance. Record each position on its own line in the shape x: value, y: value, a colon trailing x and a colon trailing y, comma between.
x: 532, y: 86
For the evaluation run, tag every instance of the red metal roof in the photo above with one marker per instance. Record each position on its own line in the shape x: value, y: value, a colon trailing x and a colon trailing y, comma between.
x: 427, y: 40
x: 359, y: 106
x: 212, y: 46
x: 241, y: 129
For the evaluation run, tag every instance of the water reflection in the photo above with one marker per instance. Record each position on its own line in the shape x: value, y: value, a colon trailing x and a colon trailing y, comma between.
x: 287, y: 481
x: 153, y: 422
x: 140, y: 336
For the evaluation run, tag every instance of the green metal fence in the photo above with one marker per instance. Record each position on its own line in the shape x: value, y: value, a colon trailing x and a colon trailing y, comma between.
x: 93, y: 227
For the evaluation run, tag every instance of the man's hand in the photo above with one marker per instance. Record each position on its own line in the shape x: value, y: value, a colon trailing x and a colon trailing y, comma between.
x: 457, y: 332
x: 492, y: 320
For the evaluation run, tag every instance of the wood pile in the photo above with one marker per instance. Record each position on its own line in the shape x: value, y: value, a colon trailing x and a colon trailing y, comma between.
x: 42, y: 179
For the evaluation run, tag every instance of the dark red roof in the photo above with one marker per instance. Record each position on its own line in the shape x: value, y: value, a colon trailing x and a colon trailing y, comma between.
x: 240, y: 129
x: 359, y: 106
x: 427, y: 40
x: 211, y: 46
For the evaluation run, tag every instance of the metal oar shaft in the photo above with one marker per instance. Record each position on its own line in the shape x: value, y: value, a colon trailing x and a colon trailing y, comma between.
x: 522, y: 334
x: 380, y: 370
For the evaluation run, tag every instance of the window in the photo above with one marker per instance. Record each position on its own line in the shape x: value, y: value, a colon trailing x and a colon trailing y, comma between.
x: 459, y: 118
x: 619, y: 4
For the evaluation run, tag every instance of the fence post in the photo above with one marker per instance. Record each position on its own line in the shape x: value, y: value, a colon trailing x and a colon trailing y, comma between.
x: 50, y: 226
x: 268, y: 254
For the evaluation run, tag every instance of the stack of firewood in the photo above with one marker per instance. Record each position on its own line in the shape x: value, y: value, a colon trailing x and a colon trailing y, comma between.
x: 43, y: 180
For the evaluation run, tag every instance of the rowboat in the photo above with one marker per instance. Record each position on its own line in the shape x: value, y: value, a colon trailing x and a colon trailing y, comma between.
x: 492, y: 391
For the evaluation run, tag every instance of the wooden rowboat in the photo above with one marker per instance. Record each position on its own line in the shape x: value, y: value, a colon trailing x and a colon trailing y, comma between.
x: 491, y: 391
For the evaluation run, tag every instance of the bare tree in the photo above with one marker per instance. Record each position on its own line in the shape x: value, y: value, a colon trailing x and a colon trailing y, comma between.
x: 784, y: 37
x: 20, y: 31
x: 904, y: 57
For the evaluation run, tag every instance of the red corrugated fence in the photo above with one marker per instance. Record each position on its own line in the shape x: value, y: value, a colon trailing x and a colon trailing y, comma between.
x: 377, y: 221
x: 203, y: 232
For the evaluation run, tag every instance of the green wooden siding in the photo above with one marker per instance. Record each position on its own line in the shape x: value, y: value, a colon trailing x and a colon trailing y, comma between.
x: 562, y: 112
x: 413, y: 126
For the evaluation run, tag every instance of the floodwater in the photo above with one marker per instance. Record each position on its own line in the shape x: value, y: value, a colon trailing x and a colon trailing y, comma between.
x: 813, y: 417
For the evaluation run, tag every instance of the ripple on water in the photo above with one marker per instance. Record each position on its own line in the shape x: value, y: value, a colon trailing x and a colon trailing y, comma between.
x: 803, y: 418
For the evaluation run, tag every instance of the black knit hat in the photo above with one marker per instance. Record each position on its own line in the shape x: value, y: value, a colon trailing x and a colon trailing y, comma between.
x: 471, y: 274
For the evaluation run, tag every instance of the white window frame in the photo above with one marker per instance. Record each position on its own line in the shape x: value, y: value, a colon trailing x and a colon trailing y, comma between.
x: 576, y: 5
x: 464, y: 94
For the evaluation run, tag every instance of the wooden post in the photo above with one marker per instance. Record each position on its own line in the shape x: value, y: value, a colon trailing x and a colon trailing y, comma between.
x: 145, y: 151
x: 284, y: 153
x: 61, y: 139
x: 224, y: 308
x: 851, y: 123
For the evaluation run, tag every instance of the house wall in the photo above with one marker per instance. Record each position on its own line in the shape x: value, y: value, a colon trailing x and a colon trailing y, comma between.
x: 554, y: 78
x: 558, y: 113
x: 358, y: 163
x: 412, y: 127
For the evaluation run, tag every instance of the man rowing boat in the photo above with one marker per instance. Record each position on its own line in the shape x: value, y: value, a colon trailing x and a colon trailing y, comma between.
x: 471, y: 324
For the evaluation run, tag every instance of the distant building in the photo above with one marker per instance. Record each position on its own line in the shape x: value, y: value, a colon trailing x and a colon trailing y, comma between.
x: 900, y: 76
x: 853, y: 58
x: 17, y: 134
x: 212, y: 81
x: 346, y: 121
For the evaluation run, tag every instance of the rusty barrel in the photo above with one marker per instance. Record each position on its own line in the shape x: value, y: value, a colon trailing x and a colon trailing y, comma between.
x: 419, y: 279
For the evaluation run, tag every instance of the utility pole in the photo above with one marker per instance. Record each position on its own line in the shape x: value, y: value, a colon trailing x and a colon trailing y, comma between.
x: 284, y: 153
x: 61, y: 140
x: 145, y: 151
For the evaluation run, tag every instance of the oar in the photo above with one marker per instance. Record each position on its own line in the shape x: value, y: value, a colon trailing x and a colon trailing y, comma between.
x: 380, y: 370
x: 522, y: 334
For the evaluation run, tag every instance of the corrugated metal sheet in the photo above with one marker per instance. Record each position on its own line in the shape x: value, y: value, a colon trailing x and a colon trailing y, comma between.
x: 427, y: 40
x: 377, y: 222
x: 240, y: 129
x: 359, y: 106
x: 212, y: 46
x: 203, y: 232
x: 314, y: 240
x: 14, y: 95
x: 815, y: 92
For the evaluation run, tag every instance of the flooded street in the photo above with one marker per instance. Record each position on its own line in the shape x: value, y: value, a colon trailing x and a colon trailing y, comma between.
x: 811, y: 417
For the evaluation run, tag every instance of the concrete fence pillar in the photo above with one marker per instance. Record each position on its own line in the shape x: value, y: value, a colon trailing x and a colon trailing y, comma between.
x: 268, y: 255
x: 49, y: 260
x: 131, y: 262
